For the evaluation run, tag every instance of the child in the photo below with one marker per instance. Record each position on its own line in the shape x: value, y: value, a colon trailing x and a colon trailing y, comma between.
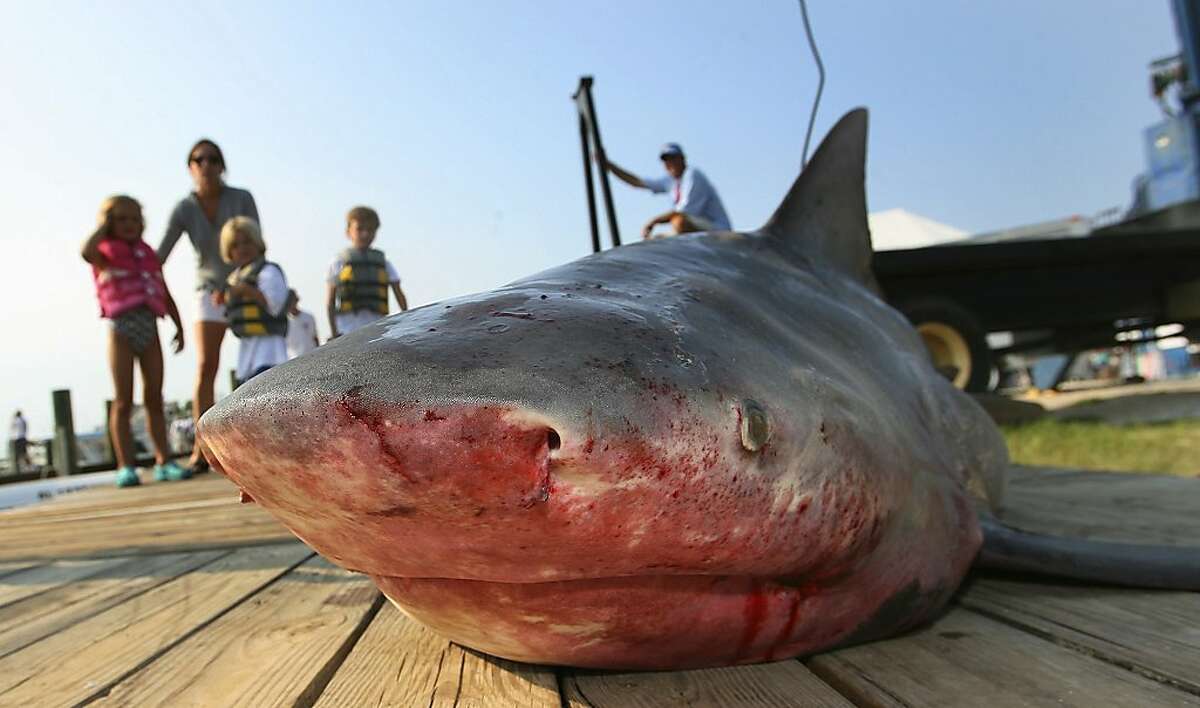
x: 359, y: 278
x: 255, y: 299
x: 302, y: 328
x: 133, y: 294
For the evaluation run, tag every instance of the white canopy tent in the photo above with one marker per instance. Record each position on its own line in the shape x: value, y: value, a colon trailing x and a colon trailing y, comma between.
x: 894, y: 229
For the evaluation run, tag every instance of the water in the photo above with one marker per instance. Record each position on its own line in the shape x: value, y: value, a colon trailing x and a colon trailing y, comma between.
x: 25, y: 493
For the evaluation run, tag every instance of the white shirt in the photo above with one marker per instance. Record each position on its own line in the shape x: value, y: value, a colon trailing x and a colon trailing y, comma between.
x: 302, y: 334
x: 17, y: 430
x: 347, y: 322
x: 258, y: 352
x: 693, y: 194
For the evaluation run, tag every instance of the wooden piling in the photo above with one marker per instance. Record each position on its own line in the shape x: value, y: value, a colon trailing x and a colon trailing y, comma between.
x: 66, y: 458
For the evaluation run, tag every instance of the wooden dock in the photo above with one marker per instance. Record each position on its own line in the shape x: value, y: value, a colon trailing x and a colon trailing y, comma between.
x: 175, y: 594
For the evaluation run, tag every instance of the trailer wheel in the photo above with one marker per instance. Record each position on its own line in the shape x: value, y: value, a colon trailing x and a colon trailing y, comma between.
x: 956, y: 343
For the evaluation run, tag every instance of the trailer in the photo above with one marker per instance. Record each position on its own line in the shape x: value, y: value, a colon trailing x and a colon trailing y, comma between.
x: 1041, y: 296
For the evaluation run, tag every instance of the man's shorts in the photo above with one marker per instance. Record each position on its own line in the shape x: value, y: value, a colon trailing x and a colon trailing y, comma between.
x: 702, y: 223
x: 206, y: 311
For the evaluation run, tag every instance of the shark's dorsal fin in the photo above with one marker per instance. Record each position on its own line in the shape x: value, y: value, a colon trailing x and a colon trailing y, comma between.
x: 824, y: 214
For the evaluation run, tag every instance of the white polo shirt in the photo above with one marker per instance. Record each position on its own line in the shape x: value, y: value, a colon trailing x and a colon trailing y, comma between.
x: 693, y: 195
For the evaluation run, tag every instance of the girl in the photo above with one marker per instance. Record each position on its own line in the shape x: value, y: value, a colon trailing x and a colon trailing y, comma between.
x: 201, y: 215
x: 132, y: 293
x: 255, y: 298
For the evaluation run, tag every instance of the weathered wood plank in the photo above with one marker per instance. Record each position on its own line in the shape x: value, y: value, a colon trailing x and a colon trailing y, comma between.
x: 162, y: 532
x: 126, y: 513
x: 966, y: 659
x: 782, y: 683
x: 39, y: 579
x: 1137, y: 508
x: 85, y: 659
x: 271, y: 650
x: 209, y: 486
x: 490, y: 682
x: 166, y: 630
x: 211, y: 533
x: 38, y: 616
x: 1153, y: 632
x: 154, y: 518
x: 395, y: 663
x: 399, y: 662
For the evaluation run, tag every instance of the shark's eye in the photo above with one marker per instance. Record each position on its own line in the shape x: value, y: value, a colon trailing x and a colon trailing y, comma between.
x: 755, y: 427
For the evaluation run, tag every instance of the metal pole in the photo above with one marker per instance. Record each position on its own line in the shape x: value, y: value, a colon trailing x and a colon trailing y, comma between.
x: 591, y: 189
x: 589, y: 109
x: 66, y: 461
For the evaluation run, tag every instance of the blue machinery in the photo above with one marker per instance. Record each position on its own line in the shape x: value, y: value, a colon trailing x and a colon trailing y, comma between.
x: 1173, y: 145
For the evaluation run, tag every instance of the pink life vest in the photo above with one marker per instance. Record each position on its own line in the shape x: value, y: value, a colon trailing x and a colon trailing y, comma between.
x: 133, y: 279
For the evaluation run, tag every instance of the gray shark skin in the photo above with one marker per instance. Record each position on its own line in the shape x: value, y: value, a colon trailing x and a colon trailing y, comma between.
x: 705, y: 450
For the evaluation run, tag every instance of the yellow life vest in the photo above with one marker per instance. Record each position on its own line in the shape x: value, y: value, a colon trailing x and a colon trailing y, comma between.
x: 247, y: 318
x: 363, y: 281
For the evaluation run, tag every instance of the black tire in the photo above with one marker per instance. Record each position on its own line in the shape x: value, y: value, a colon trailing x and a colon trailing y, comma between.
x: 955, y: 341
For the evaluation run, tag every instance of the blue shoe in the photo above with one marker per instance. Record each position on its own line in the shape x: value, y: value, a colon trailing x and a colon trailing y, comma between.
x: 170, y: 472
x: 128, y: 477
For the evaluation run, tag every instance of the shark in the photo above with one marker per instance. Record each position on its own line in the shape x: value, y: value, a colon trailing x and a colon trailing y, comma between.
x: 705, y: 450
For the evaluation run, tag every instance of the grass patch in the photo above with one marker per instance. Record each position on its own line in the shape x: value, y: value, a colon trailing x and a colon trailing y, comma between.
x: 1170, y: 448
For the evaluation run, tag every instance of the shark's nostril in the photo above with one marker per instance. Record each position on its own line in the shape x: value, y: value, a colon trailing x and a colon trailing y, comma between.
x: 553, y: 442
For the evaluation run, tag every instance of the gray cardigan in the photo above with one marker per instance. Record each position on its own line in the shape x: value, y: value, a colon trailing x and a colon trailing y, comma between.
x: 205, y: 235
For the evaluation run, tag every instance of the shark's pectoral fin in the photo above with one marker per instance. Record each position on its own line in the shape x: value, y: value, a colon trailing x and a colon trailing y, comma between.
x: 824, y: 214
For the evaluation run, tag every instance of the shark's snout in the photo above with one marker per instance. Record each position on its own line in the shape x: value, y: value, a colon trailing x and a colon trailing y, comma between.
x: 489, y: 455
x: 369, y: 462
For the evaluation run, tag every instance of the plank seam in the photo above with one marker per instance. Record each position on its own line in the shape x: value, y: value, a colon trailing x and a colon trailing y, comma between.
x: 462, y: 663
x: 49, y: 588
x: 844, y: 687
x: 103, y: 691
x: 143, y: 551
x: 321, y: 679
x: 11, y: 571
x: 1078, y: 648
x: 560, y: 680
x: 139, y: 511
x: 437, y: 676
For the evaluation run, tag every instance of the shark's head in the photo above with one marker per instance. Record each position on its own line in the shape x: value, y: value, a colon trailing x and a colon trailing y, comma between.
x: 721, y: 425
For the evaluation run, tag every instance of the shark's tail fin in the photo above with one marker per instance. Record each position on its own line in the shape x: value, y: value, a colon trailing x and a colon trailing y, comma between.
x: 1130, y: 564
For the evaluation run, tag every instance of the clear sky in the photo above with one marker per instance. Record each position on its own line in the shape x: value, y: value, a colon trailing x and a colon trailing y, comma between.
x: 454, y: 121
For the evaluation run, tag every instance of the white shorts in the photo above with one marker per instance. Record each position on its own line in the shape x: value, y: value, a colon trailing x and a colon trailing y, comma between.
x: 206, y: 310
x: 347, y: 322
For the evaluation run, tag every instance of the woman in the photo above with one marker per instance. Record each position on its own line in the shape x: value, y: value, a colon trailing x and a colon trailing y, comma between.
x: 202, y: 214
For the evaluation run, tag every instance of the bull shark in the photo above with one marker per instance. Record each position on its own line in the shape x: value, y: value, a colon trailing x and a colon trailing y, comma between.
x: 713, y: 449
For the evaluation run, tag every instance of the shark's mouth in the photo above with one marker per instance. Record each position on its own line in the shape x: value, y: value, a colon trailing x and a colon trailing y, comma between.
x: 654, y: 622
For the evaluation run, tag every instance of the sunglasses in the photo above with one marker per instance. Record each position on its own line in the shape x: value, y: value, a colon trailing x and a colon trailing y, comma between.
x: 209, y: 159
